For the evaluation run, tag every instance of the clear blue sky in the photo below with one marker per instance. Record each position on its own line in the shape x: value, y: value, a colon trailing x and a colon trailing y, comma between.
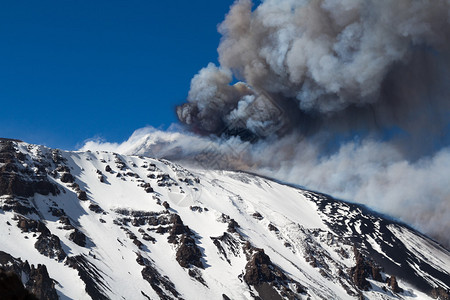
x: 73, y: 70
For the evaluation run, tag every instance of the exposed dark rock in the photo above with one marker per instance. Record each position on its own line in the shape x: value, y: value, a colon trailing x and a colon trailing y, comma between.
x: 138, y: 243
x: 257, y: 216
x: 392, y: 282
x: 82, y: 195
x: 226, y: 243
x: 273, y: 228
x: 29, y: 225
x: 232, y: 225
x: 108, y: 169
x: 359, y: 273
x: 257, y: 269
x: 166, y: 205
x: 11, y: 287
x: 50, y: 246
x: 440, y: 293
x: 90, y: 275
x: 37, y: 279
x: 42, y: 285
x: 149, y: 238
x: 78, y: 238
x: 75, y: 186
x: 95, y: 208
x: 67, y: 178
x: 18, y: 205
x: 196, y: 208
x: 64, y: 220
x: 363, y: 270
x: 268, y: 279
x: 188, y: 253
x: 150, y: 274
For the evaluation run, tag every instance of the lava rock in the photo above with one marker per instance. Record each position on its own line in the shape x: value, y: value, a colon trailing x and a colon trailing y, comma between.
x: 392, y: 282
x: 188, y: 253
x: 50, y: 246
x: 78, y: 238
x: 82, y: 196
x: 67, y: 178
x: 11, y: 287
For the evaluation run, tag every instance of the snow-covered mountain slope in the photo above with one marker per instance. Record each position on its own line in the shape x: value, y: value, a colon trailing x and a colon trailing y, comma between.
x: 106, y: 226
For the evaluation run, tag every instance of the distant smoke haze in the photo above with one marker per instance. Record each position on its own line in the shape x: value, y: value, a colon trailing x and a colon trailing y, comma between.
x: 346, y: 97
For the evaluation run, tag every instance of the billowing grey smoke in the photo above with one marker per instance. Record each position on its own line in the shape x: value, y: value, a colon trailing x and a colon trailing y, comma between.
x: 349, y: 97
x: 346, y: 97
x: 357, y: 64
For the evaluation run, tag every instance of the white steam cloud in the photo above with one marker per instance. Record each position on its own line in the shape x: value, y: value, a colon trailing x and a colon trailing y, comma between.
x: 346, y: 97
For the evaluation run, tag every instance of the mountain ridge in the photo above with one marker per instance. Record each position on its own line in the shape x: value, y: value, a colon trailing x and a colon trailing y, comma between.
x: 177, y: 233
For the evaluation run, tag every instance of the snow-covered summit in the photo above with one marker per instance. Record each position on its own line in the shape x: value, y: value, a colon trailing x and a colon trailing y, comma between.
x: 99, y: 225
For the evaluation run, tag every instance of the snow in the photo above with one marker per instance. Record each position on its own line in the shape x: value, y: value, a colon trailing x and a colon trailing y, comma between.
x: 238, y: 195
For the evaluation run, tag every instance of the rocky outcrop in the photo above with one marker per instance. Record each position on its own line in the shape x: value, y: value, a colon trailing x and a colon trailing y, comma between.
x: 50, y: 246
x: 362, y: 270
x: 440, y: 293
x: 78, y: 238
x: 11, y: 287
x: 188, y: 254
x: 160, y: 284
x: 42, y: 285
x: 269, y: 280
x: 17, y: 180
x: 90, y: 275
x: 38, y: 283
x: 392, y: 282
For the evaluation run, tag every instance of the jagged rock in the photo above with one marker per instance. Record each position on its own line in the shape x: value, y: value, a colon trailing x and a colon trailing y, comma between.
x: 166, y: 205
x: 232, y: 225
x: 362, y: 270
x: 27, y: 225
x: 82, y: 196
x: 261, y: 273
x: 257, y: 216
x: 155, y: 279
x: 392, y: 282
x: 18, y: 205
x: 50, y: 246
x: 226, y: 242
x: 89, y: 274
x: 440, y: 293
x: 258, y: 269
x: 78, y: 238
x: 37, y: 280
x: 67, y: 178
x: 196, y: 208
x: 108, y: 169
x: 42, y: 285
x: 188, y: 253
x: 66, y: 222
x: 272, y: 228
x: 95, y: 208
x: 11, y: 287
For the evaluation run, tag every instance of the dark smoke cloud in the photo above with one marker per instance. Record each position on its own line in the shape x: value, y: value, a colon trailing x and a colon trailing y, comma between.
x: 367, y: 65
x: 346, y: 97
x: 349, y: 97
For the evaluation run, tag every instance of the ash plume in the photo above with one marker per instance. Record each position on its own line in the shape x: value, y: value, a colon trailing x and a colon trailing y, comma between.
x: 357, y: 100
x: 346, y: 97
